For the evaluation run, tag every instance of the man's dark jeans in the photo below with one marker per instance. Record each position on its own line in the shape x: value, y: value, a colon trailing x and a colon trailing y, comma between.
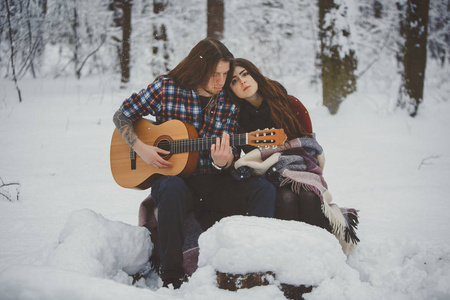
x: 218, y: 193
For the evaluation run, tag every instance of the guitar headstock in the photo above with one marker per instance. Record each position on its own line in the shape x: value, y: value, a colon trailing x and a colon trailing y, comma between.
x: 266, y: 137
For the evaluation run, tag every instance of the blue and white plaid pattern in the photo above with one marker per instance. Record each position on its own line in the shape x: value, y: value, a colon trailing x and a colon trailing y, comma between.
x: 166, y: 101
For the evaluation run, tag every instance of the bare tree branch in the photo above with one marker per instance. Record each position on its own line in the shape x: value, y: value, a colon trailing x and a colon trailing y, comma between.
x: 90, y: 54
x: 424, y: 161
x: 5, y: 193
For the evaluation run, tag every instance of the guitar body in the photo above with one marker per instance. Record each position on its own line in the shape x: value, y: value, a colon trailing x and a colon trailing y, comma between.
x: 133, y: 172
x: 182, y: 141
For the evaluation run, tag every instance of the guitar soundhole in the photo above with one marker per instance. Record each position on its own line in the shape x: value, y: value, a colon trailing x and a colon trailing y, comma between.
x: 163, y: 142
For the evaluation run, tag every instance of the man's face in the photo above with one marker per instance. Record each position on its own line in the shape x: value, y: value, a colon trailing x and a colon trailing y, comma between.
x: 217, y: 81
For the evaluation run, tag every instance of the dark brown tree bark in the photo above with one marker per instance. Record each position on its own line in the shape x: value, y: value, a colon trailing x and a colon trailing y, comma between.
x: 414, y: 28
x: 234, y: 282
x: 378, y: 9
x: 126, y: 35
x: 76, y: 42
x: 215, y: 19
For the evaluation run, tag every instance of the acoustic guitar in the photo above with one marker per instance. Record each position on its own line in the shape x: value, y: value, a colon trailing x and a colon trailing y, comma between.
x: 182, y: 141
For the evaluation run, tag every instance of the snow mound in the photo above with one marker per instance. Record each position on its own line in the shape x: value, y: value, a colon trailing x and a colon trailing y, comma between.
x: 296, y: 252
x: 46, y: 283
x: 94, y: 246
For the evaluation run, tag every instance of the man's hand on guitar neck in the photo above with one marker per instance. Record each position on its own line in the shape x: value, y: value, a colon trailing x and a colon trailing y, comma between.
x: 221, y: 152
x: 150, y: 155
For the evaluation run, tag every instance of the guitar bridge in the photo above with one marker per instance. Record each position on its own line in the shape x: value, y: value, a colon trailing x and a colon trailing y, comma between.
x: 132, y: 159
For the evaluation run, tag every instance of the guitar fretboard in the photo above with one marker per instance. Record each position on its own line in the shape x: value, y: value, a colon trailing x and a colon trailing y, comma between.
x: 198, y: 144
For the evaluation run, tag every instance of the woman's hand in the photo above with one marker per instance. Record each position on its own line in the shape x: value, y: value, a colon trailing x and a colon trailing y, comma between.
x: 150, y: 155
x: 221, y: 152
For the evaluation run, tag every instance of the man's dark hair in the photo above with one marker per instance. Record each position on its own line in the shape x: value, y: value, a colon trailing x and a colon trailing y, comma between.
x: 197, y: 68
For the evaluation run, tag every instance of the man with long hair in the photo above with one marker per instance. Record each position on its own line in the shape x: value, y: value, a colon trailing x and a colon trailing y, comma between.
x: 192, y: 92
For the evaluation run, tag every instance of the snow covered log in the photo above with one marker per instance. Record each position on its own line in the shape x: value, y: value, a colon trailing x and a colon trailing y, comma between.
x: 252, y: 251
x: 233, y: 282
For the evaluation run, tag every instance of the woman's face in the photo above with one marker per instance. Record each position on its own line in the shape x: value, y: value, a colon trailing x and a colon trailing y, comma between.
x: 242, y: 84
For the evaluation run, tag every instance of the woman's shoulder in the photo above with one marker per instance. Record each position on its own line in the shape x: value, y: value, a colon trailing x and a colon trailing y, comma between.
x: 301, y: 113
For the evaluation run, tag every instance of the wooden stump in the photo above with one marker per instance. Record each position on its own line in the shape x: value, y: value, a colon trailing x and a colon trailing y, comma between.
x: 233, y: 282
x: 295, y: 292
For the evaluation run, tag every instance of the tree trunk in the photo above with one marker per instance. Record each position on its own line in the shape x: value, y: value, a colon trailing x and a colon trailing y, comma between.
x: 215, y: 19
x: 378, y: 9
x: 415, y: 31
x: 30, y: 39
x: 76, y: 42
x: 160, y: 48
x: 338, y: 65
x: 126, y: 35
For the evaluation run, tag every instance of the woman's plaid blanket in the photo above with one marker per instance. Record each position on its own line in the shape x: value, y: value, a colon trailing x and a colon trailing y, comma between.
x: 297, y: 163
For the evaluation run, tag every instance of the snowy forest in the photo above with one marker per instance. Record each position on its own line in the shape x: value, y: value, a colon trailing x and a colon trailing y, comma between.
x: 373, y: 75
x: 336, y: 46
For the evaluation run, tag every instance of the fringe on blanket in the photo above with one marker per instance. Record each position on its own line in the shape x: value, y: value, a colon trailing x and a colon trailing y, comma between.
x: 351, y: 216
x: 343, y: 221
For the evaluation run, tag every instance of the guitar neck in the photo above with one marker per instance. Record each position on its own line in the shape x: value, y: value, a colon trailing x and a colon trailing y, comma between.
x: 199, y: 144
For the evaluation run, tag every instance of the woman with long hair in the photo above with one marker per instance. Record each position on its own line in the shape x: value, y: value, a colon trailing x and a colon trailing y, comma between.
x: 302, y: 193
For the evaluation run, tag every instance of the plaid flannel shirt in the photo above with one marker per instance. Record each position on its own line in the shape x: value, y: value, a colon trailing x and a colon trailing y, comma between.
x: 164, y: 100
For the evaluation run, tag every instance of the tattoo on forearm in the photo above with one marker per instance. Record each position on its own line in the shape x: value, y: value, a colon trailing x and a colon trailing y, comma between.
x: 125, y: 127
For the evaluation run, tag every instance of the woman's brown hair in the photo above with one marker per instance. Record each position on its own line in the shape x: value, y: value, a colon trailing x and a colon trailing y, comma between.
x: 281, y: 110
x: 199, y: 66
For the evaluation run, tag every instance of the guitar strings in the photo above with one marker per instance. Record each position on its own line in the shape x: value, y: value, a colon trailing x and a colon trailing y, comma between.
x: 197, y: 144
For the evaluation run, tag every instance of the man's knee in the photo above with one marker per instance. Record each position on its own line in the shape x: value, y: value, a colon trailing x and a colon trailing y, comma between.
x: 171, y: 192
x: 172, y: 183
x: 266, y: 188
x: 169, y: 185
x: 263, y: 198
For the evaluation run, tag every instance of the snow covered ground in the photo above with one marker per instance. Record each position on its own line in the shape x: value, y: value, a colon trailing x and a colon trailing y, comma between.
x: 73, y: 232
